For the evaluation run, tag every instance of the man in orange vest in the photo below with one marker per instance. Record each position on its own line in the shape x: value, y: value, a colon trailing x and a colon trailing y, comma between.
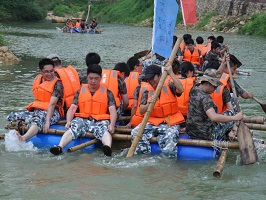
x: 97, y: 113
x: 46, y: 109
x: 115, y: 81
x: 191, y: 54
x: 132, y: 80
x: 165, y: 117
x: 69, y: 78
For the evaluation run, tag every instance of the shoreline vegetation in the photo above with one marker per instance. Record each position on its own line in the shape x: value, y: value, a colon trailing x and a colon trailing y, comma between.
x: 135, y: 13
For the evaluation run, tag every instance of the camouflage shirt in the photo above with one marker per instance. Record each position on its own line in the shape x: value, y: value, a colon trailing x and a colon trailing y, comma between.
x: 226, y: 96
x: 198, y: 124
x: 144, y: 97
x: 110, y: 96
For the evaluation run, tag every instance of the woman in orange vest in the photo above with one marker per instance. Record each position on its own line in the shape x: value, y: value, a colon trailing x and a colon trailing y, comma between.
x: 165, y: 117
x: 46, y: 109
x: 97, y: 113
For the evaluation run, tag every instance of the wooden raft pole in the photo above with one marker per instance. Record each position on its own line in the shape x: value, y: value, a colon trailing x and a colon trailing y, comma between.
x: 81, y: 146
x: 151, y: 105
x: 122, y: 137
x: 220, y: 165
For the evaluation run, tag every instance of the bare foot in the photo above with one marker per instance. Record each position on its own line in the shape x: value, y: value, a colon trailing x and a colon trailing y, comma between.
x: 20, y: 137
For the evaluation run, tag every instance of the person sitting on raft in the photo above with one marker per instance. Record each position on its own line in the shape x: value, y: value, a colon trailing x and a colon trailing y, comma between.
x: 165, y: 117
x: 203, y: 122
x: 97, y: 113
x: 46, y: 109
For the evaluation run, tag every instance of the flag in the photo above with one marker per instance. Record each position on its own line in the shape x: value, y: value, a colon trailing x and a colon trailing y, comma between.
x: 189, y: 12
x: 165, y: 13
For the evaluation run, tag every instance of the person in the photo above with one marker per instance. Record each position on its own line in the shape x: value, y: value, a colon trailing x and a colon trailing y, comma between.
x: 201, y: 46
x: 132, y: 81
x: 93, y: 27
x: 213, y: 58
x: 46, y: 109
x: 187, y: 80
x: 234, y: 64
x: 91, y: 58
x: 165, y: 117
x: 210, y: 39
x: 115, y: 81
x: 203, y: 121
x: 77, y: 26
x: 220, y: 40
x: 191, y: 54
x: 183, y: 44
x: 69, y: 78
x: 83, y: 26
x: 97, y: 113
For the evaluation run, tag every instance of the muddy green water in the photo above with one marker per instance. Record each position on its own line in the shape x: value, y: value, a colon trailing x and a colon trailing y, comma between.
x: 36, y: 174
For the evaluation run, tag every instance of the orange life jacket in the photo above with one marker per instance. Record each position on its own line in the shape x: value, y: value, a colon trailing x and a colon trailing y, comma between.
x: 110, y: 79
x: 182, y: 46
x: 202, y: 48
x: 71, y: 25
x: 131, y: 83
x: 137, y: 118
x: 217, y: 95
x: 194, y: 58
x: 184, y: 98
x: 95, y: 106
x: 70, y: 80
x: 166, y: 108
x: 78, y: 24
x: 42, y: 93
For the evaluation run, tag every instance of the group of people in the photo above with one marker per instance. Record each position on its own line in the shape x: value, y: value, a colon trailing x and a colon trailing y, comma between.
x: 81, y: 26
x: 202, y: 106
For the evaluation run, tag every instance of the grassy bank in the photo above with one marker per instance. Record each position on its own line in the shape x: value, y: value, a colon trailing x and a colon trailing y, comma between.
x: 256, y: 26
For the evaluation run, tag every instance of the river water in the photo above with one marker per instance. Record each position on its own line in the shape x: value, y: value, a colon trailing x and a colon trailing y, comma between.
x: 30, y: 173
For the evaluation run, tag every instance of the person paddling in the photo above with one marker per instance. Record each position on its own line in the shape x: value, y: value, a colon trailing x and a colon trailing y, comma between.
x: 203, y: 121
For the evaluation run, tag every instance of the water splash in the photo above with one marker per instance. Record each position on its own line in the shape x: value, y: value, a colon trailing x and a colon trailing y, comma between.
x: 13, y: 144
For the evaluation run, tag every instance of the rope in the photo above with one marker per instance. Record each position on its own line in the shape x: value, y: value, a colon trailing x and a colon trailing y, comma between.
x: 218, y: 146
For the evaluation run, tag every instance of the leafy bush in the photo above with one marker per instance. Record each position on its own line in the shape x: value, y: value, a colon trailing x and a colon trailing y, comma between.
x: 256, y: 26
x: 61, y: 10
x: 2, y: 41
x: 205, y: 20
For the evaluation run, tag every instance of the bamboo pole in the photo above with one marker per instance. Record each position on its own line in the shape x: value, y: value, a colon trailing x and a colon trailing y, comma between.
x: 181, y: 141
x: 256, y: 126
x: 220, y: 165
x: 81, y: 146
x: 151, y: 105
x: 255, y: 120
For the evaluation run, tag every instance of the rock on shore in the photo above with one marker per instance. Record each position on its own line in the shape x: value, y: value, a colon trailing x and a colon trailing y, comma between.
x: 7, y: 56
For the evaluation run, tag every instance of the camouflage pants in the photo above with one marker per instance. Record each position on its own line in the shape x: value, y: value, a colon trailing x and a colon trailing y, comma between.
x: 36, y: 117
x: 167, y: 137
x: 80, y: 126
x: 222, y: 129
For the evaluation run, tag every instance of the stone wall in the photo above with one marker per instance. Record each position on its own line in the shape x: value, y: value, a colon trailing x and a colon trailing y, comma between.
x: 235, y: 8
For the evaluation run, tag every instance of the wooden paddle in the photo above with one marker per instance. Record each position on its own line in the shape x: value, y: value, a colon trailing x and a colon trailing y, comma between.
x: 263, y: 105
x: 220, y: 165
x: 151, y: 105
x: 247, y: 149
